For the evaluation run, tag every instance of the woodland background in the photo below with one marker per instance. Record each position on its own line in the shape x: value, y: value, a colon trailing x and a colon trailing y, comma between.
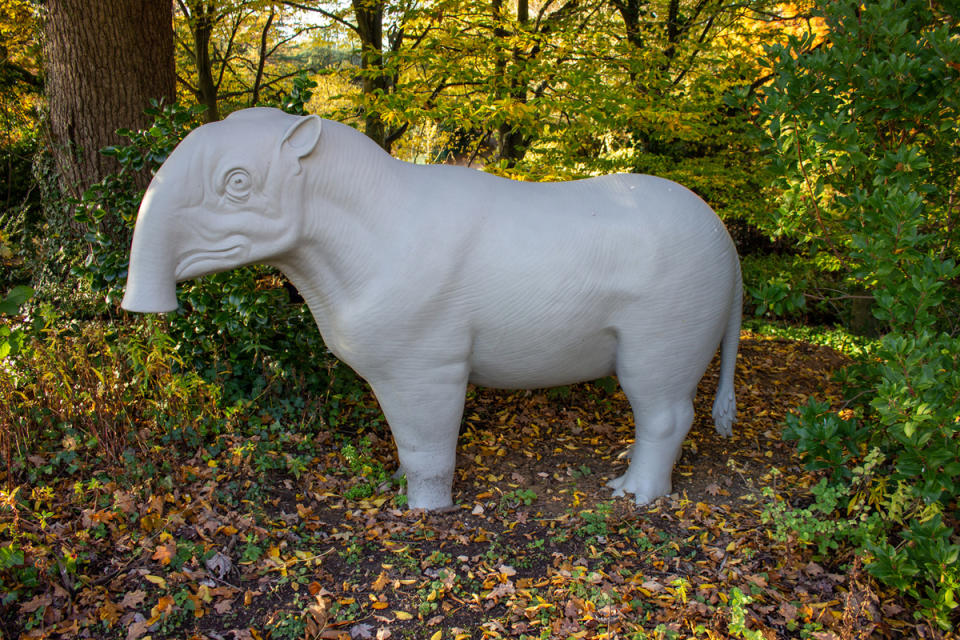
x: 215, y: 473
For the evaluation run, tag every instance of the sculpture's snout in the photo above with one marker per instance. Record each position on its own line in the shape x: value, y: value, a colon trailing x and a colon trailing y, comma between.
x: 150, y: 297
x: 151, y: 280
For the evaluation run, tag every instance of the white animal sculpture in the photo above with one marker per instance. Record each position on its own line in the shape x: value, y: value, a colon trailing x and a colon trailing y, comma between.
x: 426, y: 278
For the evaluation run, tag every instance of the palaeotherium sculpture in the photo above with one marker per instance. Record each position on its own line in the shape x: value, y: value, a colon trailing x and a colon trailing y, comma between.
x: 425, y: 278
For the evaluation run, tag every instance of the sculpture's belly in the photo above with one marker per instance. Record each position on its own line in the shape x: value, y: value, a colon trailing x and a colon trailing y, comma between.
x: 522, y: 360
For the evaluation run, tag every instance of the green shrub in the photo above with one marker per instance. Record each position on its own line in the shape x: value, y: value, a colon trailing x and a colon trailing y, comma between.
x: 864, y: 127
x: 12, y: 336
x: 828, y: 440
x: 20, y: 211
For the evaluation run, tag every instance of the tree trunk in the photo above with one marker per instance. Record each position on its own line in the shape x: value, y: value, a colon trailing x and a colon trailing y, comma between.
x: 202, y: 19
x: 511, y: 141
x: 105, y: 61
x: 370, y: 29
x: 632, y: 11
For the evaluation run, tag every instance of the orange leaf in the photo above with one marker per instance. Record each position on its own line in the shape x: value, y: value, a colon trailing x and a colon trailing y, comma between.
x: 198, y: 609
x: 380, y: 582
x: 163, y: 608
x: 165, y: 552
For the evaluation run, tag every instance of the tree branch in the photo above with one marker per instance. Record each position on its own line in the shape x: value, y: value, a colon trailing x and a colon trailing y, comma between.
x: 263, y: 58
x: 224, y: 62
x: 323, y: 12
x: 192, y: 89
x: 11, y: 74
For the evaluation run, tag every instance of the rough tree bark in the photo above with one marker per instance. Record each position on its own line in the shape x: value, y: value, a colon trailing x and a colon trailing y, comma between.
x: 105, y: 61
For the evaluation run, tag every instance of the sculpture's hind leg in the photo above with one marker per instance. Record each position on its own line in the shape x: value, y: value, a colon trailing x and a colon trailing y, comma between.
x: 660, y: 433
x: 662, y: 418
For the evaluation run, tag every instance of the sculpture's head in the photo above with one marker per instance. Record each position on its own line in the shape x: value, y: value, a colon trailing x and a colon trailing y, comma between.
x: 225, y: 197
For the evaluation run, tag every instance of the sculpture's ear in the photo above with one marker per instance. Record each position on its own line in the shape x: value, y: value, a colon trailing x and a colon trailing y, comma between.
x: 300, y: 139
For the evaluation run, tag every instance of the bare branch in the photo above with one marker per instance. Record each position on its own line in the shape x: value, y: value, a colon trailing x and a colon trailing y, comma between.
x: 192, y: 89
x: 323, y: 12
x: 263, y: 58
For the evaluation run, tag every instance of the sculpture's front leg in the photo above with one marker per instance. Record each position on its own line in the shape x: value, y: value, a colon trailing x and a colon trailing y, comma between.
x: 424, y: 411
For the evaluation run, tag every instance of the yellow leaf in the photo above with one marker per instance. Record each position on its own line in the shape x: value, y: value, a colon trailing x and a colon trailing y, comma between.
x: 150, y: 522
x: 437, y: 635
x: 203, y: 592
x: 157, y: 580
x: 403, y: 615
x: 109, y: 613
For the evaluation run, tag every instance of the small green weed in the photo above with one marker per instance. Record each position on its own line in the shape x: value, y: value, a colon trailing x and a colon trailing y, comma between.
x: 517, y: 497
x: 370, y: 474
x: 595, y: 522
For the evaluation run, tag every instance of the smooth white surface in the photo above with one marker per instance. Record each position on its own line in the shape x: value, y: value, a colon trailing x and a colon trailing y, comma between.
x: 425, y: 278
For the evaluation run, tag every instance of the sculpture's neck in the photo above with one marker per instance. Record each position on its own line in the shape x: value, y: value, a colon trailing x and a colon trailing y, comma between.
x: 351, y: 199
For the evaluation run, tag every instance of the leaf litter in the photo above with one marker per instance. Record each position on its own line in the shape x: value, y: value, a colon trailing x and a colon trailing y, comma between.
x: 535, y: 548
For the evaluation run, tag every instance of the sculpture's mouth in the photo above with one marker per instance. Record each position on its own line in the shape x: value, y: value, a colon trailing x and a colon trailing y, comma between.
x: 200, y: 262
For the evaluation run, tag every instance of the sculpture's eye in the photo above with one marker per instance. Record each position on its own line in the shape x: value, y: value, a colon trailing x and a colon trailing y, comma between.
x: 238, y: 184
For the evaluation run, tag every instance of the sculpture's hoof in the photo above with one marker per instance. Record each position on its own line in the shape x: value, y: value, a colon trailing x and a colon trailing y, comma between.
x: 723, y: 424
x: 724, y: 413
x: 641, y: 494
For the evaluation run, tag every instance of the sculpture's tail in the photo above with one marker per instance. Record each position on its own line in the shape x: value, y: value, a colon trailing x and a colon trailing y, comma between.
x: 725, y: 402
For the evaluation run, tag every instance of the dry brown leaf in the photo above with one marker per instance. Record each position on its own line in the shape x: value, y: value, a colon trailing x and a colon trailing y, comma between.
x: 223, y: 606
x: 137, y: 628
x: 133, y: 599
x: 653, y: 586
x: 35, y: 603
